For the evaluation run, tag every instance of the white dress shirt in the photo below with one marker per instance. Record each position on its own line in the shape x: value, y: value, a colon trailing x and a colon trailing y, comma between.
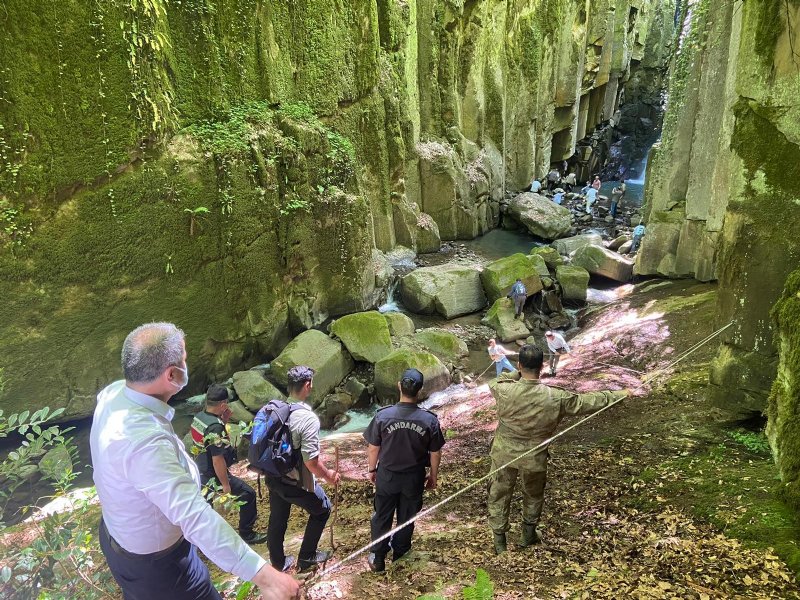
x: 149, y: 486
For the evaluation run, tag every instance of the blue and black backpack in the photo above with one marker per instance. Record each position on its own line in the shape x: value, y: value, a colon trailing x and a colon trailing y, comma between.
x: 271, y: 452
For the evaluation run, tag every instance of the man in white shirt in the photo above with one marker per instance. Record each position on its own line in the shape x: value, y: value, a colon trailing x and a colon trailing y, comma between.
x: 500, y: 357
x: 557, y: 346
x: 154, y: 516
x: 536, y: 186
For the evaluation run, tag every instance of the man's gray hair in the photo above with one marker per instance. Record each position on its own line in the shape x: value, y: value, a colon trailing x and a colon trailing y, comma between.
x: 149, y: 350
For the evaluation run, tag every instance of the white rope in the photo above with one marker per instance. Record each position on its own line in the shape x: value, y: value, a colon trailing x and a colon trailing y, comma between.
x: 490, y: 474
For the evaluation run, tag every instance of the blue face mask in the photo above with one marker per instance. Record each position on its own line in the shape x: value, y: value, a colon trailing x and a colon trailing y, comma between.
x: 185, y: 372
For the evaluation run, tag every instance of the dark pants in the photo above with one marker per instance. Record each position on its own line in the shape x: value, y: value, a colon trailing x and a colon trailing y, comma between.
x: 281, y: 497
x: 248, y: 511
x: 399, y: 493
x: 176, y: 575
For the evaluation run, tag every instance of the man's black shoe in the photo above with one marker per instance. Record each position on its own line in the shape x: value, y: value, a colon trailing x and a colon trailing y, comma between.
x: 304, y: 564
x: 253, y: 538
x: 377, y: 564
x: 398, y: 555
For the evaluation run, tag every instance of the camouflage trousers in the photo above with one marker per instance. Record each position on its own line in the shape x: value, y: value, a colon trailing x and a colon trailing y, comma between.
x: 501, y: 491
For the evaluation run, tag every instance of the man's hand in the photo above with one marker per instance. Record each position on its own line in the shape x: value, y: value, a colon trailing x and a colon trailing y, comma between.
x: 332, y: 477
x: 430, y: 482
x: 373, y: 475
x: 275, y: 585
x: 226, y: 488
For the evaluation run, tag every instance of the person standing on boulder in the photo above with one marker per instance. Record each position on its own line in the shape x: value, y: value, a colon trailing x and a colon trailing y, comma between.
x: 299, y: 487
x: 553, y: 178
x: 215, y: 454
x: 558, y: 346
x: 528, y: 414
x: 597, y: 184
x: 616, y: 197
x: 500, y: 357
x: 570, y: 181
x: 404, y: 440
x: 638, y: 234
x: 154, y: 516
x: 519, y: 295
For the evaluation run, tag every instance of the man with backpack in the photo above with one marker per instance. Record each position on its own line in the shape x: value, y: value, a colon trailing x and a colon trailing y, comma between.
x: 291, y: 465
x: 215, y: 454
x: 404, y: 440
x: 519, y: 294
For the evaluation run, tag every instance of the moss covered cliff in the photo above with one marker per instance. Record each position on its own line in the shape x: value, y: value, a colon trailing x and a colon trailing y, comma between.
x: 231, y: 164
x: 721, y: 193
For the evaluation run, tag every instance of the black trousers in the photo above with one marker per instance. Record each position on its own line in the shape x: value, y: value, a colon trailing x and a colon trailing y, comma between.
x: 176, y: 575
x: 396, y: 494
x: 248, y: 511
x: 282, y: 495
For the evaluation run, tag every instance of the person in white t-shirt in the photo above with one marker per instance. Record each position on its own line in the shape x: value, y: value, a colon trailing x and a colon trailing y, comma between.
x: 500, y: 357
x: 558, y: 346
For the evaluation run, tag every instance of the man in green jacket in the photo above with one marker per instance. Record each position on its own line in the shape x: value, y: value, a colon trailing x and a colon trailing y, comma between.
x: 528, y: 414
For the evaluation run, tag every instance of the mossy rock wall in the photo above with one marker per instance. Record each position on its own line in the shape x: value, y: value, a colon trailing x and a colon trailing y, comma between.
x: 721, y: 198
x: 297, y: 125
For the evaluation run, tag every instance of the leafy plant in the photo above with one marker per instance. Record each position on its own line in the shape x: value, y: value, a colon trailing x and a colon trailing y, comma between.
x: 20, y: 464
x: 195, y: 216
x: 483, y: 588
x: 755, y: 442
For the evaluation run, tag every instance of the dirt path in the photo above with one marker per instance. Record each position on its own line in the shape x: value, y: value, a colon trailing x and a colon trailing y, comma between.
x: 614, y: 526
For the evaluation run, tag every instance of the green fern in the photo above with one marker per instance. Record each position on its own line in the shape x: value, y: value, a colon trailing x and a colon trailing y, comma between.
x: 483, y: 588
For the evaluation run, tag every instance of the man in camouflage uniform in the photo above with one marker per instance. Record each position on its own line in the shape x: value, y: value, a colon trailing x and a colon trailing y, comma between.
x: 529, y: 413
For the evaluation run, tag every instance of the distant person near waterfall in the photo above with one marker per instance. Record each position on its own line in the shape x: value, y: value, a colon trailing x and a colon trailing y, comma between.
x: 617, y: 194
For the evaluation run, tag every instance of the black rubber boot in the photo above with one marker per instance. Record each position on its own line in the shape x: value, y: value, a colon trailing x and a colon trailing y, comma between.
x: 500, y: 543
x: 530, y: 536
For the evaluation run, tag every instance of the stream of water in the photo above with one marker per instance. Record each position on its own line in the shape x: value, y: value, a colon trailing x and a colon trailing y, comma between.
x: 496, y: 244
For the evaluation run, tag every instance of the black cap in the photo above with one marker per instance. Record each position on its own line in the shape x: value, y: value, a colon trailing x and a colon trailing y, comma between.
x: 413, y: 375
x: 217, y: 394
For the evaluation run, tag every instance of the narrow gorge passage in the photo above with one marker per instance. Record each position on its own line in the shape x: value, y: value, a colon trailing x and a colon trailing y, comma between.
x: 369, y: 187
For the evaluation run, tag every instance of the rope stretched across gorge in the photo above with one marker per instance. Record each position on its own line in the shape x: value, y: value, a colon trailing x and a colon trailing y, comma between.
x: 338, y: 565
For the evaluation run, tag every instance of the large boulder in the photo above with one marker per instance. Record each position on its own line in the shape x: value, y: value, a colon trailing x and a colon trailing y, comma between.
x: 389, y: 369
x: 539, y: 265
x: 330, y: 361
x: 253, y: 390
x: 602, y: 261
x: 365, y: 335
x: 541, y: 216
x: 574, y: 282
x: 332, y: 407
x: 450, y: 290
x: 501, y: 318
x: 239, y: 412
x: 567, y: 246
x: 399, y: 324
x: 498, y: 276
x: 549, y: 254
x: 442, y: 343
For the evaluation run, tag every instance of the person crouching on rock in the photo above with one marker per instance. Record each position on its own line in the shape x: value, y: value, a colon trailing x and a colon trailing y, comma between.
x: 558, y: 346
x: 500, y: 357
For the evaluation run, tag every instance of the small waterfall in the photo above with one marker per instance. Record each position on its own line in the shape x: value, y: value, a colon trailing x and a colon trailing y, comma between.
x: 641, y: 168
x: 391, y: 304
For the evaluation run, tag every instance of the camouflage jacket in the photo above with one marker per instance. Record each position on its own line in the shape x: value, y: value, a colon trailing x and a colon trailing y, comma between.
x: 529, y: 413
